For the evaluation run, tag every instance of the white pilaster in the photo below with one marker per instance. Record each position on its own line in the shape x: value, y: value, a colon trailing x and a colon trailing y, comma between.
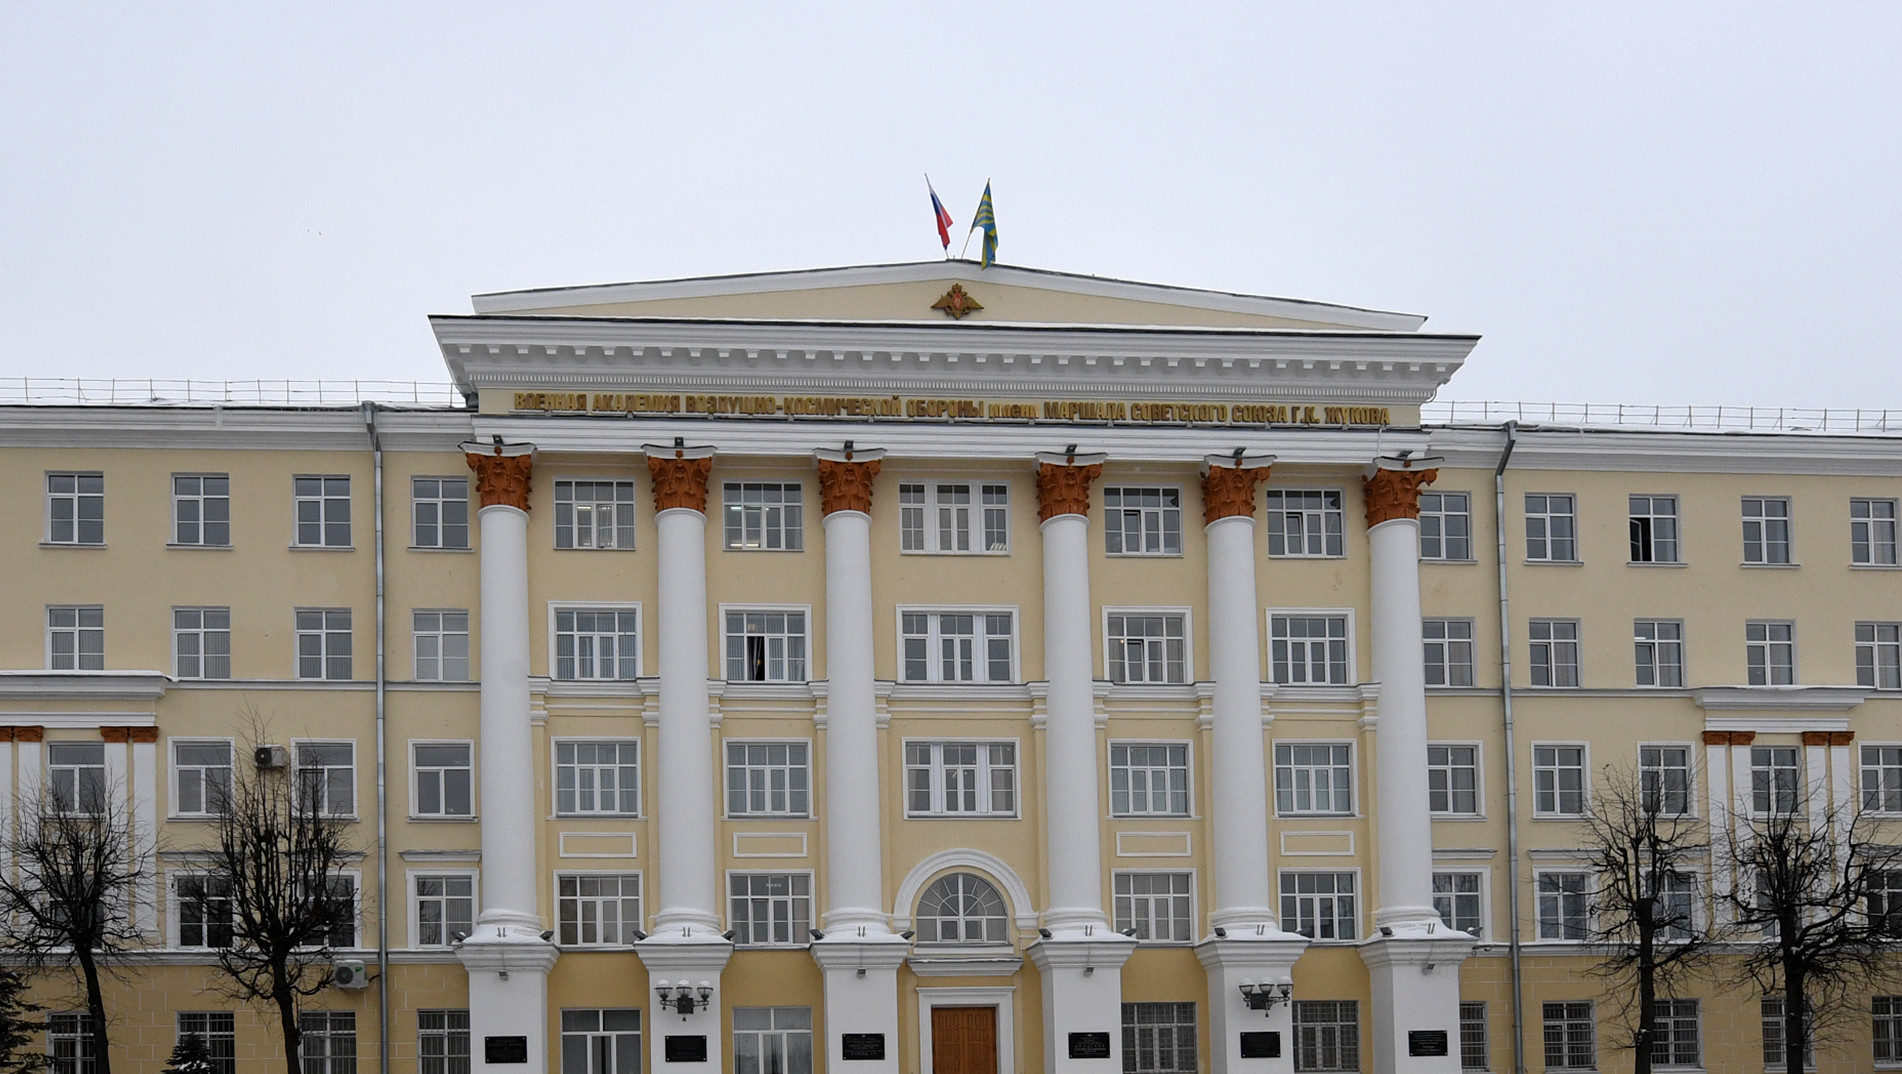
x: 1718, y: 804
x: 32, y: 780
x: 145, y: 829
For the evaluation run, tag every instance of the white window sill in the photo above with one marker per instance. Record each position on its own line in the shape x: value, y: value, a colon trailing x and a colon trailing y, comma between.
x: 1656, y: 563
x: 427, y: 818
x: 927, y: 552
x: 593, y: 548
x: 1451, y: 562
x: 199, y: 547
x: 1143, y: 555
x: 1560, y: 816
x: 1852, y: 566
x: 437, y: 548
x: 1555, y: 563
x: 594, y: 816
x: 1761, y: 567
x: 750, y: 818
x: 71, y: 544
x: 1317, y: 816
x: 1458, y: 816
x: 1285, y: 555
x: 323, y: 548
x: 961, y: 816
x: 771, y: 551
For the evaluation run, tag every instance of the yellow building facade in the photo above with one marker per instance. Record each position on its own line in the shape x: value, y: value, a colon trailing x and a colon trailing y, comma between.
x: 918, y: 669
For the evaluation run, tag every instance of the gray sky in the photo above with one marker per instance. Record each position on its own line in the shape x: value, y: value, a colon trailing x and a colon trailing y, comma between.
x: 1669, y: 203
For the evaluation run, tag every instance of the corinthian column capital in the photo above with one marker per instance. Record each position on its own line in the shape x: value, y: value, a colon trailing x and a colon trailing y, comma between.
x: 501, y: 471
x: 1228, y: 485
x: 845, y: 479
x: 680, y: 476
x: 1393, y: 487
x: 1063, y: 483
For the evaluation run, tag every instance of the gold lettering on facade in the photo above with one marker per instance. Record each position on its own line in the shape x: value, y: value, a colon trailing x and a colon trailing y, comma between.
x: 930, y: 409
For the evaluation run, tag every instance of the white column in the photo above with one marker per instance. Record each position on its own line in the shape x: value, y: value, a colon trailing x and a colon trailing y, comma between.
x: 1717, y: 799
x: 32, y: 774
x: 505, y: 957
x: 145, y: 824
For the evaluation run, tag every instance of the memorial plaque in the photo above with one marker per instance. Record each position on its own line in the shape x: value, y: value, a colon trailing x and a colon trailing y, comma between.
x: 505, y: 1049
x: 861, y: 1046
x: 1426, y: 1042
x: 686, y: 1050
x: 1261, y: 1045
x: 1089, y: 1046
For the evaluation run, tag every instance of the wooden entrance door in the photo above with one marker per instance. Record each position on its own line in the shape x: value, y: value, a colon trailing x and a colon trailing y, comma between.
x: 964, y: 1040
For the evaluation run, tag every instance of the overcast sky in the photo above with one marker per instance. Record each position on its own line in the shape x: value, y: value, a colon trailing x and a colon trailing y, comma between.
x: 1648, y: 203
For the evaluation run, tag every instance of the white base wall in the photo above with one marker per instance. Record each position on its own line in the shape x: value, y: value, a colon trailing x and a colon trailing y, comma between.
x: 692, y: 963
x: 1082, y: 993
x: 1229, y: 962
x: 508, y: 997
x: 1416, y: 989
x: 861, y: 996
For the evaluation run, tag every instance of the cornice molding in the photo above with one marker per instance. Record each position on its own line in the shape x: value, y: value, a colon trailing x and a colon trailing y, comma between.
x: 83, y: 685
x: 1664, y: 451
x: 1779, y: 699
x: 227, y: 428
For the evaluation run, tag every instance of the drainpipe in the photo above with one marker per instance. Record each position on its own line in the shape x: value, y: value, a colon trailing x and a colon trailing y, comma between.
x: 382, y: 772
x: 1512, y: 759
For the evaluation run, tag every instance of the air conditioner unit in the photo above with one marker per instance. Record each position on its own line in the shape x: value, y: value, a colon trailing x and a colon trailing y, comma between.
x: 349, y: 973
x: 271, y: 757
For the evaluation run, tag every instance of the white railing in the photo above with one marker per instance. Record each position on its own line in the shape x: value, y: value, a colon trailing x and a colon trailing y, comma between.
x: 65, y: 391
x: 1754, y: 419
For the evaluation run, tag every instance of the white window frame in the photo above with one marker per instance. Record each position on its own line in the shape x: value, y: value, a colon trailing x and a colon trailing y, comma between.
x: 1585, y: 780
x: 1483, y: 919
x: 1761, y: 544
x: 1650, y: 654
x: 1545, y: 538
x: 416, y: 900
x: 441, y: 635
x: 354, y: 877
x: 1353, y: 776
x: 201, y: 499
x: 297, y: 769
x: 1677, y: 1020
x: 1141, y: 922
x: 1346, y: 1046
x: 1552, y: 665
x: 173, y: 783
x: 1760, y: 651
x: 1352, y: 667
x: 75, y: 499
x: 1447, y: 665
x: 727, y: 768
x: 555, y: 608
x: 1186, y: 625
x: 797, y: 933
x: 985, y: 791
x: 621, y: 521
x: 1164, y: 514
x: 1292, y: 921
x: 416, y: 770
x: 89, y: 783
x: 78, y: 633
x: 1473, y: 1035
x: 618, y: 741
x: 69, y: 1043
x: 204, y: 634
x: 1275, y: 515
x: 1170, y: 1028
x: 1887, y: 798
x: 1540, y: 918
x: 324, y: 499
x: 439, y: 500
x: 1690, y: 774
x: 220, y: 1040
x: 773, y: 521
x: 326, y: 635
x: 804, y: 611
x: 175, y: 906
x: 1879, y: 543
x: 928, y: 515
x: 1644, y: 526
x: 772, y: 1045
x: 934, y: 642
x: 1798, y: 785
x: 1884, y: 664
x: 1885, y: 1012
x: 1188, y: 776
x: 330, y: 1062
x: 1590, y: 1022
x: 1478, y: 812
x: 436, y: 1024
x: 606, y: 1044
x: 625, y: 927
x: 1433, y: 508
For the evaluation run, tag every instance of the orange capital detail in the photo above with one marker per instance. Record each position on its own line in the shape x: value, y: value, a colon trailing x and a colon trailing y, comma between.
x: 502, y: 479
x: 1064, y: 490
x: 29, y: 734
x: 1229, y: 491
x: 1729, y: 738
x: 1395, y: 494
x: 1828, y: 738
x: 680, y: 482
x: 846, y: 486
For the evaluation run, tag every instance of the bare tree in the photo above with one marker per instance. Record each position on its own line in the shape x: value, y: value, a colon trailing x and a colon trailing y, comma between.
x: 69, y: 898
x: 1817, y: 894
x: 1646, y: 848
x: 277, y: 860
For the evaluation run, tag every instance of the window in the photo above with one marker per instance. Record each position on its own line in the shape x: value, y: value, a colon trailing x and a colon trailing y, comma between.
x: 601, y: 1041
x: 201, y: 643
x: 598, y: 777
x: 201, y: 510
x: 1872, y: 532
x: 1314, y: 777
x: 1449, y: 651
x: 1774, y: 779
x: 1319, y: 905
x: 1326, y: 1034
x: 201, y: 777
x: 598, y: 909
x: 327, y: 772
x: 1774, y: 1036
x: 962, y: 908
x: 323, y: 643
x: 1149, y: 779
x: 76, y: 777
x: 1674, y: 1033
x: 76, y: 511
x: 342, y: 892
x: 1654, y: 529
x: 1766, y: 529
x: 597, y: 643
x: 1570, y: 1036
x: 1446, y: 526
x: 961, y: 778
x: 766, y: 646
x: 1308, y: 650
x: 1659, y: 647
x: 1664, y: 779
x: 218, y: 1032
x: 442, y: 645
x: 1453, y: 780
x: 1146, y: 648
x: 769, y: 908
x: 1882, y: 779
x: 1156, y: 905
x: 1142, y: 521
x: 767, y: 779
x: 1879, y: 655
x: 594, y: 514
x: 202, y: 905
x: 1885, y: 901
x: 445, y: 780
x: 1770, y: 653
x: 445, y: 906
x: 323, y: 512
x: 1551, y: 528
x: 1564, y: 905
x: 764, y: 516
x: 1159, y: 1038
x: 1457, y: 898
x: 946, y: 518
x: 442, y: 1042
x: 1886, y: 1013
x: 76, y: 638
x: 329, y: 1041
x: 439, y: 511
x: 772, y: 1040
x: 1675, y: 905
x: 1554, y: 652
x: 1558, y: 780
x: 1473, y: 1049
x: 69, y: 1043
x: 957, y: 646
x: 1305, y: 522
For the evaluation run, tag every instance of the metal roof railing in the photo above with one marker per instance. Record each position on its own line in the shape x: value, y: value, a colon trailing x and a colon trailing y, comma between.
x: 69, y: 391
x: 1701, y: 419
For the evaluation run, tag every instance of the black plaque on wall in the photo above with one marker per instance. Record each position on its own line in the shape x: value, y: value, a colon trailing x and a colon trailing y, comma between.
x: 1426, y: 1042
x: 505, y: 1049
x: 1089, y: 1046
x: 686, y: 1050
x: 1261, y: 1045
x: 861, y: 1046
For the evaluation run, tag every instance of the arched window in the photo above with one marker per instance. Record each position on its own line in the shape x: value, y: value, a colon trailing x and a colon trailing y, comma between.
x: 961, y: 908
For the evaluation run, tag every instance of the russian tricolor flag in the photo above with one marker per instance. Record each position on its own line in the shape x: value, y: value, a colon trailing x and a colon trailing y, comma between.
x: 944, y: 218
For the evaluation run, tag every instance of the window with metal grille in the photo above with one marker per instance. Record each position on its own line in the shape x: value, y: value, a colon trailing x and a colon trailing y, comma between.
x: 441, y: 638
x: 1149, y: 779
x: 1659, y: 648
x: 764, y: 516
x: 1457, y: 898
x: 1885, y: 1013
x: 445, y: 906
x: 1775, y: 777
x: 1305, y: 523
x: 1156, y: 905
x: 323, y: 643
x: 598, y: 909
x: 766, y: 779
x: 201, y: 510
x: 975, y: 647
x: 1159, y: 1038
x: 962, y: 908
x: 1474, y: 1054
x: 1766, y: 529
x: 1674, y: 1041
x: 323, y: 512
x: 1664, y: 779
x: 1308, y: 650
x: 1446, y: 526
x: 1146, y: 648
x: 1564, y: 908
x: 1770, y: 653
x: 1319, y: 905
x: 1142, y: 521
x: 218, y: 1032
x: 765, y: 645
x: 961, y: 778
x: 1872, y: 532
x: 1449, y: 651
x: 601, y: 1041
x: 76, y: 509
x: 328, y: 1040
x: 597, y: 643
x: 1571, y: 1039
x: 1551, y: 527
x: 1775, y: 1035
x: 201, y: 643
x: 594, y: 514
x: 1453, y: 779
x: 439, y: 512
x: 1558, y: 780
x: 769, y: 908
x: 954, y: 519
x: 442, y: 1042
x: 1326, y: 1034
x: 1314, y: 777
x: 1879, y: 655
x: 598, y: 777
x: 1654, y: 529
x: 76, y: 637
